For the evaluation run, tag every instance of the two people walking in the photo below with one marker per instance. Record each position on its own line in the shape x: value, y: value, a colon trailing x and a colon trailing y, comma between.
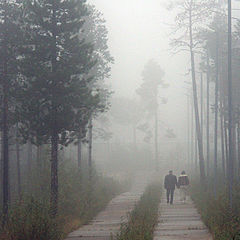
x: 171, y: 181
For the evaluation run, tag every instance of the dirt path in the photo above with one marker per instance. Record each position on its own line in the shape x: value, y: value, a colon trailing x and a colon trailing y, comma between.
x: 108, y: 222
x: 180, y: 221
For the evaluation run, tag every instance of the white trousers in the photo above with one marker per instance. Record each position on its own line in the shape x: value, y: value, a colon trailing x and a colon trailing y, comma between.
x: 183, y: 192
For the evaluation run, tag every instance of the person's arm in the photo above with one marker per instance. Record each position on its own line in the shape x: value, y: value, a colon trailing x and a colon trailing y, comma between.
x: 165, y: 182
x: 187, y: 180
x: 176, y: 182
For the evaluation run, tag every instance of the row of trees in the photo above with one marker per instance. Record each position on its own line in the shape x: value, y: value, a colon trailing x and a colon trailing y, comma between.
x: 54, y: 59
x: 205, y: 28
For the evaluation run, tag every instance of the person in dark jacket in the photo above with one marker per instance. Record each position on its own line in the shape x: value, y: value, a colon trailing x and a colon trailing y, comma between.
x: 170, y: 182
x: 183, y: 182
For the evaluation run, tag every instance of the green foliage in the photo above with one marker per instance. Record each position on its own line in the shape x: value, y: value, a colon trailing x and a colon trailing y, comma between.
x: 143, y: 218
x: 223, y: 223
x: 54, y: 91
x: 29, y: 220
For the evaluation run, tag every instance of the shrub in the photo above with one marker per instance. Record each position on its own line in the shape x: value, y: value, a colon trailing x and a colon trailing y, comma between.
x: 30, y: 220
x: 223, y: 223
x: 80, y: 199
x: 143, y: 218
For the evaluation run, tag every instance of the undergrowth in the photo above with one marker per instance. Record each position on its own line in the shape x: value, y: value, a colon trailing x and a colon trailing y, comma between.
x: 143, y: 218
x: 80, y: 199
x: 223, y: 223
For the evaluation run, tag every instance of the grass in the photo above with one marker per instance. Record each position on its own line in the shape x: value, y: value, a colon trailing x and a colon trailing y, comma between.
x: 143, y: 218
x: 223, y: 223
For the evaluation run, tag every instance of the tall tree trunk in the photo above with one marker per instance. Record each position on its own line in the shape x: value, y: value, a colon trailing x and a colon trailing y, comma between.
x: 18, y: 164
x: 29, y: 161
x: 196, y: 151
x: 39, y: 158
x: 54, y: 173
x: 226, y: 143
x: 156, y: 140
x: 216, y: 121
x: 5, y: 123
x: 234, y: 153
x: 208, y: 108
x: 79, y: 150
x: 238, y: 147
x: 201, y: 88
x: 188, y: 130
x: 222, y: 138
x: 230, y: 120
x: 192, y: 133
x: 195, y: 98
x: 54, y: 137
x: 90, y: 127
x: 1, y: 161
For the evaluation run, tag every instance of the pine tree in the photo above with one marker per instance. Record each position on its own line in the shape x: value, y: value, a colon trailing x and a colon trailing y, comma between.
x: 152, y: 78
x: 55, y: 64
x: 10, y: 38
x: 190, y: 17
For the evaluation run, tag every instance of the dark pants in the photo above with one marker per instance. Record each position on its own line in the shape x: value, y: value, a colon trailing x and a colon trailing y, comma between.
x: 170, y: 192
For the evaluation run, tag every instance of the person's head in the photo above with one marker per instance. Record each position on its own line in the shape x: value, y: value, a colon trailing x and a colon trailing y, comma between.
x: 183, y: 172
x: 170, y: 172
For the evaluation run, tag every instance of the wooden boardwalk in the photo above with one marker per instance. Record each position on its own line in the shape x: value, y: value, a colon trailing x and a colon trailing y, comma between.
x: 176, y: 222
x: 180, y: 221
x: 107, y: 223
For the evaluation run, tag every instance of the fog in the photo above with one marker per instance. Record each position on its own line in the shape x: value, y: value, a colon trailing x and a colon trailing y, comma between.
x: 101, y: 97
x: 140, y: 31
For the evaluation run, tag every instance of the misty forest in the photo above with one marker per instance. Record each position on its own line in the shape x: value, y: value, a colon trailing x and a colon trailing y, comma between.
x: 120, y: 120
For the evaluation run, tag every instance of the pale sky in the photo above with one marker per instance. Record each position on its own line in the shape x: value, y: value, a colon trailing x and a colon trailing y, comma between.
x: 139, y: 30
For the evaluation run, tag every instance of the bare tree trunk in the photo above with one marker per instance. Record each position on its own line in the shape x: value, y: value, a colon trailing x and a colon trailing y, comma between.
x: 90, y: 127
x: 201, y: 90
x: 18, y: 164
x: 196, y: 151
x: 79, y: 150
x: 29, y: 161
x: 238, y: 141
x: 1, y: 161
x: 188, y: 130
x: 195, y: 98
x: 54, y: 174
x: 192, y: 133
x: 234, y: 152
x: 156, y: 140
x: 230, y: 120
x: 54, y: 137
x: 226, y: 143
x: 5, y: 122
x: 216, y: 121
x: 39, y: 157
x: 208, y: 107
x: 222, y: 138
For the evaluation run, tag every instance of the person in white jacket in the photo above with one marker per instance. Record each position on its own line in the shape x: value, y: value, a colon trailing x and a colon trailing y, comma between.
x: 183, y: 183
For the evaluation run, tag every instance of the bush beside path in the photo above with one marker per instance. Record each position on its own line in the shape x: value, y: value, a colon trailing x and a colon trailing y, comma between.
x: 143, y: 218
